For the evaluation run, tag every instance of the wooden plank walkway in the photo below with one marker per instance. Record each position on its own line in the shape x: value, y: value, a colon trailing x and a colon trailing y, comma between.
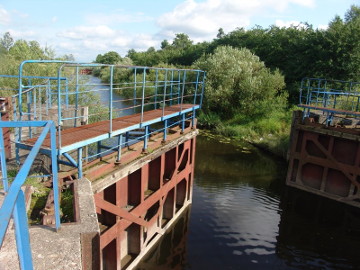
x: 74, y: 135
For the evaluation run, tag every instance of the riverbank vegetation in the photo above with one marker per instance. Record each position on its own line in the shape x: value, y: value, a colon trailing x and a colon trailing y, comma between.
x: 253, y: 76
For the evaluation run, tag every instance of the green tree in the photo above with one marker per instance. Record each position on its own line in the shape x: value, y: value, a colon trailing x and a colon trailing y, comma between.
x: 239, y: 83
x: 109, y: 58
x: 182, y: 41
x: 165, y: 44
x: 7, y: 41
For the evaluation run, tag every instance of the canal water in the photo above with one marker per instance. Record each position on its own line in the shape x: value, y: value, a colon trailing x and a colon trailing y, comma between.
x: 243, y: 217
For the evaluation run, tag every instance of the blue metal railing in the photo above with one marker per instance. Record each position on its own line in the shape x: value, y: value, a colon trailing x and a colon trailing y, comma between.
x: 14, y: 202
x: 330, y: 96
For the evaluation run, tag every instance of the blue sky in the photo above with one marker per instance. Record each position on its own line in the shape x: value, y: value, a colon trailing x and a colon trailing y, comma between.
x: 87, y: 28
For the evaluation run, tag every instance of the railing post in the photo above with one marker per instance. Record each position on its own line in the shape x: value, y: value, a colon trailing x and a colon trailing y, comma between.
x: 22, y: 233
x: 146, y: 136
x: 80, y: 162
x: 111, y: 98
x: 164, y: 95
x: 54, y: 168
x: 119, y: 148
x: 143, y: 96
x: 3, y: 161
x: 156, y: 86
x: 135, y: 87
x: 165, y: 130
x: 183, y: 90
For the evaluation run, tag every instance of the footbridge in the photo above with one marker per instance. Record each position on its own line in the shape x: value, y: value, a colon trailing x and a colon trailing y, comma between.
x: 123, y: 143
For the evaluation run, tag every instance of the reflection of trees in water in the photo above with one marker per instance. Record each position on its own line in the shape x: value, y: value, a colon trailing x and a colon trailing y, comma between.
x: 317, y: 233
x: 222, y: 164
x: 170, y: 251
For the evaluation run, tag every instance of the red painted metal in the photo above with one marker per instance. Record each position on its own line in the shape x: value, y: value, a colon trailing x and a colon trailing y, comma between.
x: 5, y: 116
x: 325, y: 161
x: 137, y: 208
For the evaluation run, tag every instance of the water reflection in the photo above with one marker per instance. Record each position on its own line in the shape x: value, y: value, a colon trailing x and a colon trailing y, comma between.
x: 243, y: 217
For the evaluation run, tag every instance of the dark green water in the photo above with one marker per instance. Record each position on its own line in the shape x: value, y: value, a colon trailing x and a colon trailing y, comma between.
x: 243, y: 217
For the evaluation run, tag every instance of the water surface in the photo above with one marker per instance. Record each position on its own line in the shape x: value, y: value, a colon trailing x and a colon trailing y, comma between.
x: 243, y: 217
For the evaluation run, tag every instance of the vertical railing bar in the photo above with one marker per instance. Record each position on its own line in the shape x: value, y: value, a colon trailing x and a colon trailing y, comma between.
x: 3, y: 161
x: 143, y: 96
x: 111, y: 98
x: 183, y: 90
x: 171, y: 86
x: 164, y: 94
x: 135, y: 88
x: 196, y: 86
x: 76, y: 95
x: 202, y: 88
x: 156, y: 86
x: 54, y: 168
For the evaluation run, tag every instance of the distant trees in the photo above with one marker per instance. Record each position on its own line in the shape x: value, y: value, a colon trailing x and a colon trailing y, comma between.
x: 108, y: 58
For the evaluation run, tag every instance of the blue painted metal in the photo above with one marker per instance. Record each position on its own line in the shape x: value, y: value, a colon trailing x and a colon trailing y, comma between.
x: 14, y: 203
x: 330, y: 96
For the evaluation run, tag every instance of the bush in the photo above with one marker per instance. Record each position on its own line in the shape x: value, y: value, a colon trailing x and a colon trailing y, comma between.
x: 239, y: 83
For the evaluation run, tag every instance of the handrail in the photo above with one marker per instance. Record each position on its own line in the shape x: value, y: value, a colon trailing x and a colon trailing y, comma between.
x: 14, y: 203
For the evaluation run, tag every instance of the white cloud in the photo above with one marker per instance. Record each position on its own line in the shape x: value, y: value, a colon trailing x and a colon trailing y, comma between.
x: 281, y: 23
x: 54, y: 19
x: 116, y: 17
x: 84, y: 32
x: 203, y: 19
x: 26, y: 34
x: 4, y: 16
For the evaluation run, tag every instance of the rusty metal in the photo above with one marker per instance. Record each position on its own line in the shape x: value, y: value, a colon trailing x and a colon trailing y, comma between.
x: 73, y: 135
x: 136, y: 210
x: 325, y: 160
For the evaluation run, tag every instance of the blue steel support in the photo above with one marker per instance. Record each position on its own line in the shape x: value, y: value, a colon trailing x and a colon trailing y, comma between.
x: 193, y: 117
x: 76, y: 95
x: 111, y: 98
x: 98, y: 149
x: 80, y: 162
x: 203, y: 88
x: 156, y: 88
x: 71, y: 160
x: 165, y: 130
x: 182, y: 122
x: 127, y: 139
x: 54, y: 169
x: 3, y: 161
x: 164, y: 95
x: 22, y: 233
x: 183, y: 90
x: 119, y: 148
x: 196, y: 86
x: 135, y: 87
x: 171, y: 87
x: 143, y: 96
x: 146, y: 137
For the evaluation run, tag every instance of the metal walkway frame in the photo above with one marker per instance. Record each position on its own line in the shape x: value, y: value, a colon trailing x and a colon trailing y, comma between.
x: 166, y: 94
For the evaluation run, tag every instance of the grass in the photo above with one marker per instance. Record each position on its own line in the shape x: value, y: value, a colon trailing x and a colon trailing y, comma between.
x: 270, y: 132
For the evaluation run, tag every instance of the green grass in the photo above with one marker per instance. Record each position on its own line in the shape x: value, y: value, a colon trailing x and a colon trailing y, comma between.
x: 270, y: 132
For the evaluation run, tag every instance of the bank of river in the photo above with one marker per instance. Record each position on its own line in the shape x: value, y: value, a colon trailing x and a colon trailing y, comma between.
x: 243, y: 217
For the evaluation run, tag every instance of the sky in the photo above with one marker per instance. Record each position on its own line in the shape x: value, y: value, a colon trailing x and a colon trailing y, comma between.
x: 88, y: 28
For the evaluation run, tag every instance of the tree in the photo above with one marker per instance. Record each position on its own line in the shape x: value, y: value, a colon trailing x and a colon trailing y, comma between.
x: 220, y: 33
x: 164, y: 44
x: 7, y: 41
x: 239, y: 83
x: 181, y: 41
x: 109, y: 58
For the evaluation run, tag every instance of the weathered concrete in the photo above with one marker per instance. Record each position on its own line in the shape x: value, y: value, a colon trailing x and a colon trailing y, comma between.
x: 69, y: 248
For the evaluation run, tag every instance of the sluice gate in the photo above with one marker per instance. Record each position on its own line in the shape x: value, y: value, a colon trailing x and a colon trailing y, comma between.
x: 324, y: 156
x: 126, y: 148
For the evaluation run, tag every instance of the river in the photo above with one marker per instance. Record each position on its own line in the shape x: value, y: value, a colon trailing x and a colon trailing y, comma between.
x: 244, y: 217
